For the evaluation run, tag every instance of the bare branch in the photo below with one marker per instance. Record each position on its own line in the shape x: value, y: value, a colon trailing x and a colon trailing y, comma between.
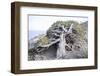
x: 57, y: 31
x: 65, y: 30
x: 70, y: 29
x: 68, y: 46
x: 51, y: 43
x: 56, y: 34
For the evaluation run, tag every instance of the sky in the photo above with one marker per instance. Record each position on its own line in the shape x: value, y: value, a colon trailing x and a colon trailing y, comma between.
x: 38, y: 24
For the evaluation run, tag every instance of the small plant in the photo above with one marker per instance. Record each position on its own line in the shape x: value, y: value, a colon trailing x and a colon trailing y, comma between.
x: 43, y: 41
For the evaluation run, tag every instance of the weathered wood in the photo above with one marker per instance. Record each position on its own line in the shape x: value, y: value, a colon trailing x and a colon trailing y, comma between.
x: 70, y: 29
x: 61, y: 51
x: 48, y: 45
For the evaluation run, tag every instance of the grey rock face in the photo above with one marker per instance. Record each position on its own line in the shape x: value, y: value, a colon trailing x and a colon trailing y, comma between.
x: 46, y: 46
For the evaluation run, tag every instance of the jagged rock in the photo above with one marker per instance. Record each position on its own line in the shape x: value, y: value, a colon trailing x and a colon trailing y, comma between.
x: 74, y: 46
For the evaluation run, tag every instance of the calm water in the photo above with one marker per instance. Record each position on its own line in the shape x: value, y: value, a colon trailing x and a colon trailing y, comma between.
x: 32, y: 34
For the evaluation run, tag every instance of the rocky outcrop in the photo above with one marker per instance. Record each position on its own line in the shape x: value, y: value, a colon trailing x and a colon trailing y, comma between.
x: 63, y: 40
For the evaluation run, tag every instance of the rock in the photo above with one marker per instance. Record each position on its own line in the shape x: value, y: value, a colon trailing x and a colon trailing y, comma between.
x: 75, y: 41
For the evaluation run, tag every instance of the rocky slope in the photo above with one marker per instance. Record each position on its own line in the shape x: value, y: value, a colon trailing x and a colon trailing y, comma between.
x: 44, y: 47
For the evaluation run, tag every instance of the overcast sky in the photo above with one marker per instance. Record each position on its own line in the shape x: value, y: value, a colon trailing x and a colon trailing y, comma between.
x: 40, y: 24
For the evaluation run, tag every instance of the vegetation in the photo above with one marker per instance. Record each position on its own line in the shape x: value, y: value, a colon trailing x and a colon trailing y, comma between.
x: 69, y: 37
x: 43, y: 41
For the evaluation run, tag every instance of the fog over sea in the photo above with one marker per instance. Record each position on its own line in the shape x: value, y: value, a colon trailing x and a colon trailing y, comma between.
x: 32, y: 34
